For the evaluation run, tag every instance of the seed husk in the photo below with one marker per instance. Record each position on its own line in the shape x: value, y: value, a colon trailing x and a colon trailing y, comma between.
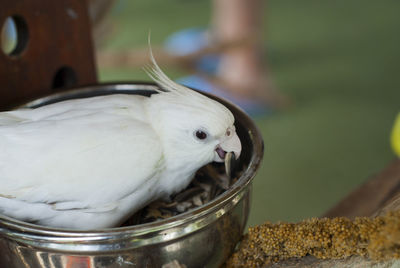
x: 208, y: 183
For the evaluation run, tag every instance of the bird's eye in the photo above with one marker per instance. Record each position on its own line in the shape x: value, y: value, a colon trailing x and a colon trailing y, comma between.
x: 201, y: 135
x: 228, y: 132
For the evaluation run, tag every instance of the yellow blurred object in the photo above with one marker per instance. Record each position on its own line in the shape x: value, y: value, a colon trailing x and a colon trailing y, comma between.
x: 395, y: 137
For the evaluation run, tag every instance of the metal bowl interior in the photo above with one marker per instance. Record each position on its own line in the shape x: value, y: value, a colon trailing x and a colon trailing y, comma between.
x: 184, y: 227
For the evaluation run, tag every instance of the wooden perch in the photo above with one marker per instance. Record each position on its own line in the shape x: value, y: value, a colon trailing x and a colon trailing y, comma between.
x: 354, y: 261
x: 372, y: 196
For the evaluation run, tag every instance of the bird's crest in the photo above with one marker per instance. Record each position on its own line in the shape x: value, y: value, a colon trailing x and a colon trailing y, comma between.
x: 165, y: 83
x: 184, y: 95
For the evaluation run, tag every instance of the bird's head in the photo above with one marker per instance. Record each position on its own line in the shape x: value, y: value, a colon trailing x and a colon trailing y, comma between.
x: 192, y: 125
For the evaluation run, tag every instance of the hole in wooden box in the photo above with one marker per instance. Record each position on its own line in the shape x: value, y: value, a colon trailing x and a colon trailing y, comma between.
x: 14, y: 35
x: 65, y: 77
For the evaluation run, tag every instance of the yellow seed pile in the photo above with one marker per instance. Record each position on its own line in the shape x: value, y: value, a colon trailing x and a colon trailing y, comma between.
x: 377, y: 238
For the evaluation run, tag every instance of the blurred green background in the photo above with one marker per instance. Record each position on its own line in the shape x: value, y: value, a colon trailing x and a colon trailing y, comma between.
x: 336, y: 60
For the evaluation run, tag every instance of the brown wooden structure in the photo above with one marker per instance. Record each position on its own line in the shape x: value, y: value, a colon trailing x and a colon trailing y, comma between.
x: 54, y: 49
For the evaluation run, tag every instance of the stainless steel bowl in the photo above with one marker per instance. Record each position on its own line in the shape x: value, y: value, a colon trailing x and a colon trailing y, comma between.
x: 202, y: 237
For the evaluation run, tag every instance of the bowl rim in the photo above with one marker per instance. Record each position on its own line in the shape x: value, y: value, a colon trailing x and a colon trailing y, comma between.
x: 26, y: 231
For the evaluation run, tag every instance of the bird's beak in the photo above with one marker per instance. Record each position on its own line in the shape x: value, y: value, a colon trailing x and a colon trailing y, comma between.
x: 232, y: 144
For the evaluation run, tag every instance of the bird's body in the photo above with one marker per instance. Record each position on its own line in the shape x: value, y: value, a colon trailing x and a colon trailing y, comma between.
x: 91, y: 145
x: 91, y: 163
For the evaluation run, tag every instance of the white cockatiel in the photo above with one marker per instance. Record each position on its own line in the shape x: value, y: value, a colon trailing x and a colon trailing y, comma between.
x: 91, y: 163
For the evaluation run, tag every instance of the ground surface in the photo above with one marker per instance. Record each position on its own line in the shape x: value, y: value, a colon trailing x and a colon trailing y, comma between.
x: 338, y: 62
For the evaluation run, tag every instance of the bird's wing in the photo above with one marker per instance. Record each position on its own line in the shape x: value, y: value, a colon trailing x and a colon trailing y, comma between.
x: 80, y: 158
x: 74, y: 108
